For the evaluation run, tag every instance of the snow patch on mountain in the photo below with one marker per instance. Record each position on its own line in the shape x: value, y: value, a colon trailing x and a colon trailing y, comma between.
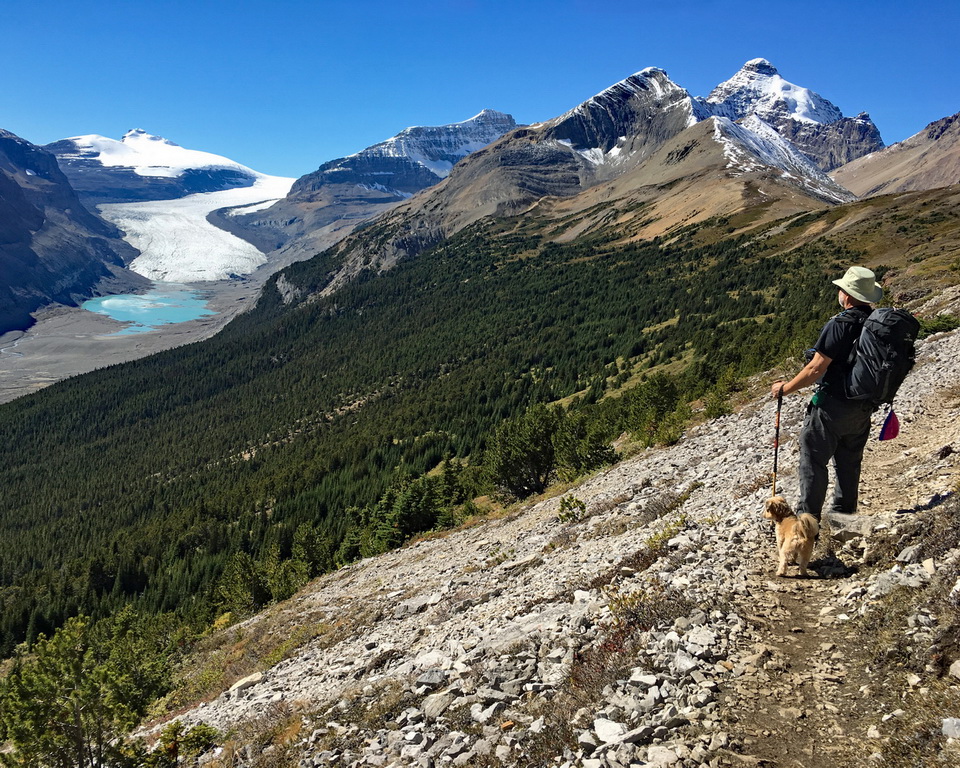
x: 759, y: 89
x: 752, y: 145
x: 438, y: 148
x: 381, y: 188
x: 178, y: 245
x: 148, y: 155
x: 698, y: 113
x: 653, y: 76
x: 240, y: 210
x: 593, y: 155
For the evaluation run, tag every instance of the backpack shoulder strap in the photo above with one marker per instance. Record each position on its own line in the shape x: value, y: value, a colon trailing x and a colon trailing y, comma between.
x: 854, y: 315
x: 857, y: 317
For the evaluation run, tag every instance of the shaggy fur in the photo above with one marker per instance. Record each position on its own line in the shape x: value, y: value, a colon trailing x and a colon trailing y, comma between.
x: 795, y: 535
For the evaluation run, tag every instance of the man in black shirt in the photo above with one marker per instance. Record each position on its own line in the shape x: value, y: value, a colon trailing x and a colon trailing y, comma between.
x: 834, y: 427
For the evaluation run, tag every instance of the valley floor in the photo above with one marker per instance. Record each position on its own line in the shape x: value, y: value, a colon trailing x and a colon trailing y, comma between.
x: 68, y: 341
x: 649, y: 630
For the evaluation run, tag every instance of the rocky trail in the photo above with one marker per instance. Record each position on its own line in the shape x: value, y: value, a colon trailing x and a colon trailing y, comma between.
x: 641, y: 625
x: 804, y: 693
x: 797, y: 703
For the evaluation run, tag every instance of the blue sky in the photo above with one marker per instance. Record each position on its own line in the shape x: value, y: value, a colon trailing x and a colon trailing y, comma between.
x: 284, y: 85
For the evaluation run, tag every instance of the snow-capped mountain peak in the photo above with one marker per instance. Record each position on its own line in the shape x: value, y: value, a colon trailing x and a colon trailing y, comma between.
x: 758, y: 88
x: 489, y: 117
x: 146, y: 154
x: 138, y: 134
x: 761, y: 66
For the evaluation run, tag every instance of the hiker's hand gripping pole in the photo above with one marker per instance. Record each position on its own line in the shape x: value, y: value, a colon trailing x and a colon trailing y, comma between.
x: 776, y: 439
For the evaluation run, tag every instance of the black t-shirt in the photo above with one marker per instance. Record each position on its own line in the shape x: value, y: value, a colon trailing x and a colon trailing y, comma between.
x: 836, y: 342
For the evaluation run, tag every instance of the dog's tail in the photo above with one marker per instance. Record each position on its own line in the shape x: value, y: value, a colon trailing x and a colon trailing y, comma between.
x: 809, y: 525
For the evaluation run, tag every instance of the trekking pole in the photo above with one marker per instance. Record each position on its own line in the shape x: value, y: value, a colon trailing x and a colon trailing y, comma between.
x: 776, y: 439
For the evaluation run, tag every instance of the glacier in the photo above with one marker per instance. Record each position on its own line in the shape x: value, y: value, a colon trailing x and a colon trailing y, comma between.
x: 176, y: 242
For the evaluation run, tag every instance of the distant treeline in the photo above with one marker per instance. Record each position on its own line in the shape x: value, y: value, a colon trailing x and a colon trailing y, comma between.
x: 223, y: 474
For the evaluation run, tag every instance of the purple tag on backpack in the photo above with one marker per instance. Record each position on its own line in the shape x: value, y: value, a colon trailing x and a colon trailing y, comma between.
x: 891, y: 426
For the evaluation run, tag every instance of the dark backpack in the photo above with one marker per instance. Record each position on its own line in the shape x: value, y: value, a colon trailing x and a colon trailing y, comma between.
x: 882, y: 356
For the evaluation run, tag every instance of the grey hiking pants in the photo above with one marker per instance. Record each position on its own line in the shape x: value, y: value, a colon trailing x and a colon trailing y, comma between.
x: 836, y: 429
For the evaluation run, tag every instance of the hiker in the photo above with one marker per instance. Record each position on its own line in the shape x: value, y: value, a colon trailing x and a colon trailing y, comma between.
x: 835, y: 426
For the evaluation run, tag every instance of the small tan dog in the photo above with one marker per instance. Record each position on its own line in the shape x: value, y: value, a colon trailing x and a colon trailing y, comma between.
x: 795, y: 535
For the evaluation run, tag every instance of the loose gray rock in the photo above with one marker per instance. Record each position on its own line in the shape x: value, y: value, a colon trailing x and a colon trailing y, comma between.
x: 608, y: 731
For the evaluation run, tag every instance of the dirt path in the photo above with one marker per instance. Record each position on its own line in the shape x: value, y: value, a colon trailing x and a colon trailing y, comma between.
x: 798, y: 701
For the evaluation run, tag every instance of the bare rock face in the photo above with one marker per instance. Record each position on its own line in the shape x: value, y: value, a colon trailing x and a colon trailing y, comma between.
x: 52, y: 249
x: 371, y: 173
x: 834, y: 144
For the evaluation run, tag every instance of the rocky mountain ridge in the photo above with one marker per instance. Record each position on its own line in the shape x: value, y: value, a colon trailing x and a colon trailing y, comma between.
x: 605, y: 148
x: 616, y: 129
x: 753, y: 143
x: 326, y: 205
x: 52, y: 249
x: 633, y: 621
x: 437, y: 148
x: 602, y: 141
x: 804, y: 118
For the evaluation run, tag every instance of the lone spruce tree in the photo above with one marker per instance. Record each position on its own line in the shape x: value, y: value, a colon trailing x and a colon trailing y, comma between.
x: 522, y: 457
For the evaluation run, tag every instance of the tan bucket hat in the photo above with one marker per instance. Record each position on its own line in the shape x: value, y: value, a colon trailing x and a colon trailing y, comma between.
x: 860, y: 283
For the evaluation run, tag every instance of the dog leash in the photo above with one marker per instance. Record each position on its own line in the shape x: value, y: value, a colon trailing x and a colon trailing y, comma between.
x: 776, y: 440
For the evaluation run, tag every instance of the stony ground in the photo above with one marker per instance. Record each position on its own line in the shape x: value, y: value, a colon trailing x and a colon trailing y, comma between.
x: 639, y: 622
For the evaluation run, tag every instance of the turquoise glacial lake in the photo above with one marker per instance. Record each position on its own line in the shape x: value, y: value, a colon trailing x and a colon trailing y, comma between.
x: 162, y: 305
